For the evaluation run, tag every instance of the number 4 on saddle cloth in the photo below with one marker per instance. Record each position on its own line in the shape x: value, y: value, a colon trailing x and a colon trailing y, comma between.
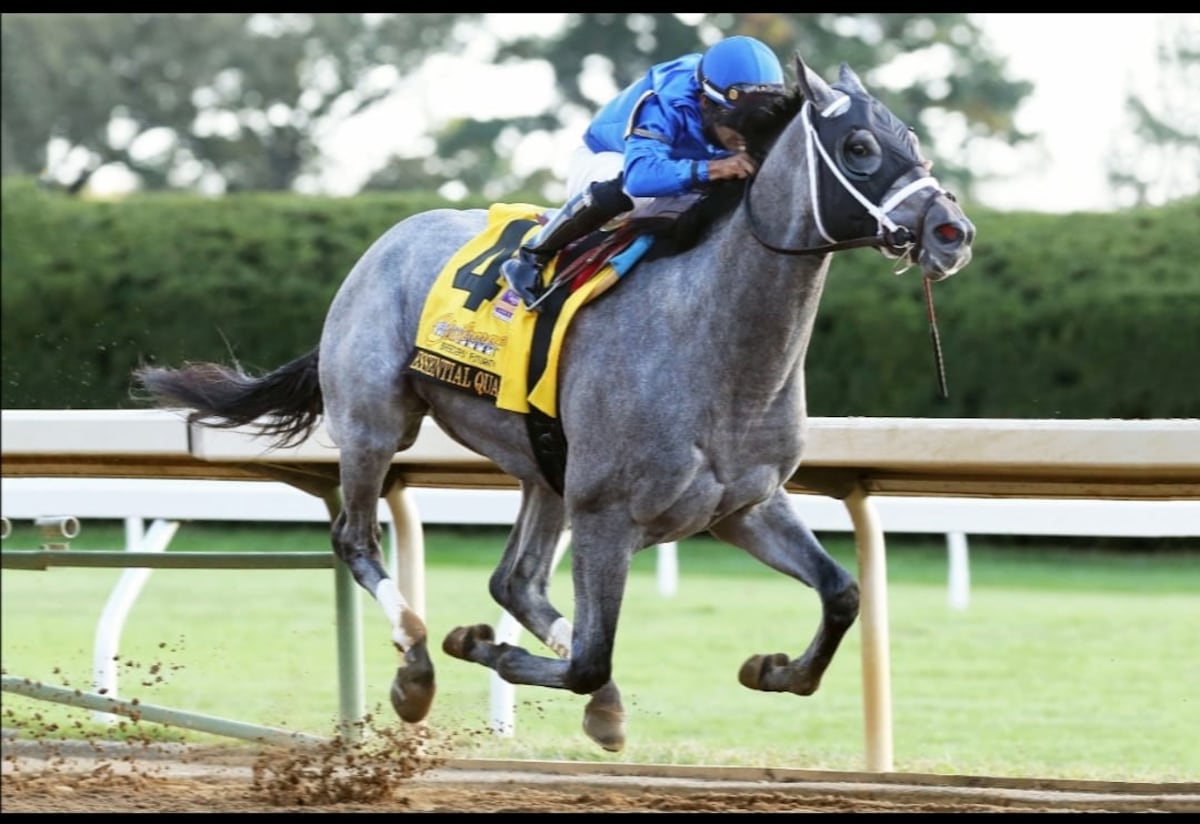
x: 477, y: 335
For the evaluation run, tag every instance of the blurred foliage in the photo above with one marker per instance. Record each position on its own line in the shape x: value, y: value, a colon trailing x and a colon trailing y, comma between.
x: 1159, y: 159
x: 1085, y: 315
x: 240, y: 98
x: 224, y: 102
x: 92, y: 288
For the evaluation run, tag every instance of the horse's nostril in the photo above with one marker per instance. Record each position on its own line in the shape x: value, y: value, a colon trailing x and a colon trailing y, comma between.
x: 948, y: 233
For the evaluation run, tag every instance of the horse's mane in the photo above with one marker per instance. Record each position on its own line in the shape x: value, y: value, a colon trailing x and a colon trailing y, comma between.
x: 761, y: 126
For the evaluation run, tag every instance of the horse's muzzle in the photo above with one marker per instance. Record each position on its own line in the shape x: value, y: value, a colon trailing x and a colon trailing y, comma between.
x: 946, y: 235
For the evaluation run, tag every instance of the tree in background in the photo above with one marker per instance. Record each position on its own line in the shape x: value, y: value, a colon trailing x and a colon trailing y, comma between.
x: 932, y: 70
x: 246, y: 101
x: 1160, y: 159
x: 194, y: 101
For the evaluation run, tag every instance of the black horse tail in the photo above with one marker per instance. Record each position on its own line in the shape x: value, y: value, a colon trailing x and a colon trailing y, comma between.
x: 284, y: 404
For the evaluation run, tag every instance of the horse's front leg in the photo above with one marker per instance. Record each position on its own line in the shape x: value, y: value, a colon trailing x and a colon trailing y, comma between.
x: 520, y: 585
x: 355, y: 538
x: 604, y: 714
x: 775, y: 535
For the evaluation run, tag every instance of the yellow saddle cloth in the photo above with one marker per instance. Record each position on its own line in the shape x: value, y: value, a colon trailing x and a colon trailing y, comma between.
x: 476, y: 335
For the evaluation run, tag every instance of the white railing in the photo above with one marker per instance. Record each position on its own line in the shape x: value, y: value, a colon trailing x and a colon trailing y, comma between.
x: 166, y: 503
x: 955, y: 518
x: 859, y: 461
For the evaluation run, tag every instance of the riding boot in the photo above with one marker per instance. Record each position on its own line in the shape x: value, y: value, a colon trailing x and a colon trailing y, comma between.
x: 584, y: 213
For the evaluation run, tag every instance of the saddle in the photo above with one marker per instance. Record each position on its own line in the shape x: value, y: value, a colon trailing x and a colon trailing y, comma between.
x: 476, y: 336
x: 586, y: 258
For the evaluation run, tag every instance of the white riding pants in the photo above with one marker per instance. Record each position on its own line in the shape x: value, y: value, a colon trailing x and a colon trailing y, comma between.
x: 587, y: 167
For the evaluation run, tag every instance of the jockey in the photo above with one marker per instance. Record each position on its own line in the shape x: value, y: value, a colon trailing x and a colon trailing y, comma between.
x: 663, y: 139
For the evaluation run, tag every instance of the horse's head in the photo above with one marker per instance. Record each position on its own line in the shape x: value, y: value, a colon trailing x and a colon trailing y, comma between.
x: 872, y: 183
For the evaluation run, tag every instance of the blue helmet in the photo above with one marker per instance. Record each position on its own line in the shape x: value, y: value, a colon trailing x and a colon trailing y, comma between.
x: 737, y: 66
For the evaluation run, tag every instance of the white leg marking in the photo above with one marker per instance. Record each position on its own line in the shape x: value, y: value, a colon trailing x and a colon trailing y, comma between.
x: 559, y: 638
x: 393, y: 605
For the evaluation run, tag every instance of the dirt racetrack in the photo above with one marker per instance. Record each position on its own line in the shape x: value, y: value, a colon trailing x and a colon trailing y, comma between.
x: 87, y: 777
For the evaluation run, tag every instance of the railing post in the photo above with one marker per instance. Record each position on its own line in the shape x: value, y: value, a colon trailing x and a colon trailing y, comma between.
x: 124, y: 595
x: 958, y: 584
x: 667, y: 569
x: 352, y: 706
x: 873, y: 622
x: 408, y: 551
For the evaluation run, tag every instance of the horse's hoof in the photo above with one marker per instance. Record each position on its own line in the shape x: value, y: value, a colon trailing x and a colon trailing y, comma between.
x: 604, y: 719
x: 605, y: 727
x: 460, y: 640
x: 755, y: 671
x: 411, y: 701
x: 413, y: 687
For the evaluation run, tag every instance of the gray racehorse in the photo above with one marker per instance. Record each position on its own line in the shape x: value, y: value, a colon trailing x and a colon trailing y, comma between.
x: 681, y: 399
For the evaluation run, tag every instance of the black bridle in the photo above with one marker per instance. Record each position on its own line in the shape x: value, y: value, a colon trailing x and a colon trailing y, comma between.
x: 896, y: 240
x: 890, y: 237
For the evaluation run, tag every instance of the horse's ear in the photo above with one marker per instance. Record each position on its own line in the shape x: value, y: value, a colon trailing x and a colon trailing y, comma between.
x: 848, y: 80
x: 815, y: 89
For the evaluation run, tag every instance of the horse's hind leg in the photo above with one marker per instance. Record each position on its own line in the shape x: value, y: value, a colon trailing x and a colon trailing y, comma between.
x: 775, y: 535
x: 355, y: 538
x: 520, y: 585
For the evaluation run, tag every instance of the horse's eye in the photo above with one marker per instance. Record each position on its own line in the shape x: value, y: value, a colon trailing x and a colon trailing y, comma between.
x: 860, y: 154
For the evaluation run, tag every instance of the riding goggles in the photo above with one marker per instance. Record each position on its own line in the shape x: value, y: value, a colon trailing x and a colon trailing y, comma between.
x: 731, y: 96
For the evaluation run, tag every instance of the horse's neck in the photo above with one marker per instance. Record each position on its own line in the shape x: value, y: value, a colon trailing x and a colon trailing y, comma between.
x: 776, y: 294
x: 755, y: 308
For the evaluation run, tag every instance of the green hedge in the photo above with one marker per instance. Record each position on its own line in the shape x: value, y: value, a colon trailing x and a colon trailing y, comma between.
x: 93, y: 288
x: 1087, y: 315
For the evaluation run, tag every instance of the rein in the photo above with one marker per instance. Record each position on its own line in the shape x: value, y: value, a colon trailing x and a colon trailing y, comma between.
x: 896, y: 239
